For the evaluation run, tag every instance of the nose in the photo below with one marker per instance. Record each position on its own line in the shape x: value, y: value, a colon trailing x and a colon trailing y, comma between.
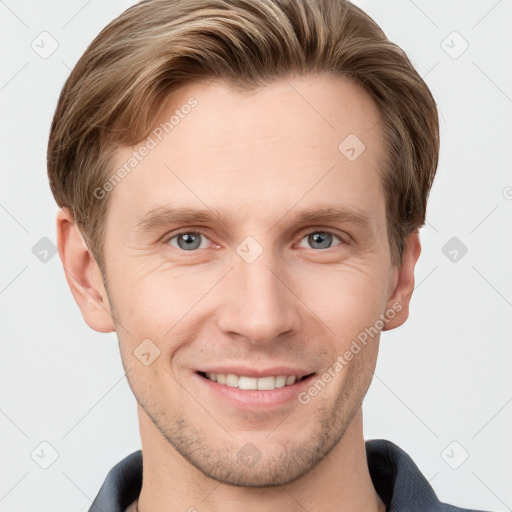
x: 259, y: 304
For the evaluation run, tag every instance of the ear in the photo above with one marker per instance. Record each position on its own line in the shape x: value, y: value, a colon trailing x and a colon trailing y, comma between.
x: 403, y: 283
x: 83, y: 274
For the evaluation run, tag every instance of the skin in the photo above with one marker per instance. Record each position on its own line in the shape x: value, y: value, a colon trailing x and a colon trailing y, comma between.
x: 257, y: 158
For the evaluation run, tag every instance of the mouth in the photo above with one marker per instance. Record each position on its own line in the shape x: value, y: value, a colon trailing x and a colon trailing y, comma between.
x: 267, y: 383
x: 253, y: 394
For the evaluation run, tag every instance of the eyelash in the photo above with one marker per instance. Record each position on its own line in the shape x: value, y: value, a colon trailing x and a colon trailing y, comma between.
x: 191, y: 231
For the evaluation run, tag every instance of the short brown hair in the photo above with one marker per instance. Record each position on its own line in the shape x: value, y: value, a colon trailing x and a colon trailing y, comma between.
x: 116, y: 90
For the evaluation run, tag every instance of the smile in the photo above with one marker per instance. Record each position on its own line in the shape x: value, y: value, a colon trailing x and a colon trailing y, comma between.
x: 268, y: 383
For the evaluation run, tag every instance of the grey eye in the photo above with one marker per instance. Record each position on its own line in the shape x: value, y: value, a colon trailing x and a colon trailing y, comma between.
x: 187, y: 241
x: 321, y: 239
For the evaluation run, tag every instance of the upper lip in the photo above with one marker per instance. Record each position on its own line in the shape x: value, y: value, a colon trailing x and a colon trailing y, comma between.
x: 257, y: 372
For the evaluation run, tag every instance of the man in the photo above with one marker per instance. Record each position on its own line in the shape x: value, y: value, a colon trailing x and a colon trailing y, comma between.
x: 241, y: 187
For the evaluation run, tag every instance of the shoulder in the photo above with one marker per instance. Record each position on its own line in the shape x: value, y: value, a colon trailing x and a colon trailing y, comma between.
x: 400, y: 483
x: 122, y: 485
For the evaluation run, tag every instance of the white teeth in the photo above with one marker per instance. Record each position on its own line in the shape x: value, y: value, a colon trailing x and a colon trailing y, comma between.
x: 247, y: 383
x: 280, y: 381
x: 266, y: 383
x: 232, y: 380
x: 243, y: 382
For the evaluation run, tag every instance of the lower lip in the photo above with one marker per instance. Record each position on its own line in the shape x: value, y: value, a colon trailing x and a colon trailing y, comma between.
x: 253, y: 399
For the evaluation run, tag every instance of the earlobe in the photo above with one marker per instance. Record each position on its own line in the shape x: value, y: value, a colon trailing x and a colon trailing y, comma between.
x: 401, y: 294
x: 83, y: 274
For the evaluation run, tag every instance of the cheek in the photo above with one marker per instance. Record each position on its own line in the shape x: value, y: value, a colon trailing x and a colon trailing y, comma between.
x: 168, y: 306
x: 153, y: 296
x: 346, y: 298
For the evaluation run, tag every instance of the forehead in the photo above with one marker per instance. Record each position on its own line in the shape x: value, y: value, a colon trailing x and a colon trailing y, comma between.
x: 317, y: 111
x: 303, y: 139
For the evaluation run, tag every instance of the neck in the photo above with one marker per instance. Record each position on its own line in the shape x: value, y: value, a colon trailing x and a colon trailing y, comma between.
x: 171, y: 483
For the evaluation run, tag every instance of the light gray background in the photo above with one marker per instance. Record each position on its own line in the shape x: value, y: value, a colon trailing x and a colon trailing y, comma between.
x: 442, y: 378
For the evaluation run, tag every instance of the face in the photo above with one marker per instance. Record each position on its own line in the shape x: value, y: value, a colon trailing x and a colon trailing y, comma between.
x: 248, y: 243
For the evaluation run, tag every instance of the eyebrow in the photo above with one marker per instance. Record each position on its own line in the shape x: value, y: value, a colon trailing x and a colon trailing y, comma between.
x: 164, y: 216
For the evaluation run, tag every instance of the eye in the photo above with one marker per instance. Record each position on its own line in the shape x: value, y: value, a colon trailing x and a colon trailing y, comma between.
x: 321, y: 239
x: 188, y: 240
x: 192, y: 240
